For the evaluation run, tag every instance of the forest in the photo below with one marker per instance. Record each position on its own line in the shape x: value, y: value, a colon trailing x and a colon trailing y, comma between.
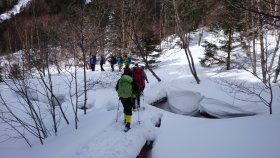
x: 60, y: 26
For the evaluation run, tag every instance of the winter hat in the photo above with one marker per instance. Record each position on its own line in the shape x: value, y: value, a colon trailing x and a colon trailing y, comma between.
x: 127, y: 71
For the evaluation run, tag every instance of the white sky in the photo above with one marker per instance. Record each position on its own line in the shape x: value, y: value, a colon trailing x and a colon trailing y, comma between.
x: 180, y: 136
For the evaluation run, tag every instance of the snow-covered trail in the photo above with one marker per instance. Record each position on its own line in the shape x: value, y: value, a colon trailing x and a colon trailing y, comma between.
x: 113, y: 142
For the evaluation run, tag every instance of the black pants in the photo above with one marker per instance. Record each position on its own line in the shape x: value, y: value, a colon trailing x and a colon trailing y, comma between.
x: 92, y: 67
x: 112, y: 67
x: 101, y: 65
x: 128, y: 104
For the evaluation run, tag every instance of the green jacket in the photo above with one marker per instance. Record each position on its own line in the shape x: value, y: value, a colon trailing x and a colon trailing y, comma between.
x: 126, y: 87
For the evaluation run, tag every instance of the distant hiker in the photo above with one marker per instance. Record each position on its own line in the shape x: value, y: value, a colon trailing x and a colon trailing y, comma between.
x: 139, y: 76
x: 92, y: 62
x: 127, y: 60
x: 113, y: 61
x: 120, y: 62
x: 102, y: 61
x: 127, y: 90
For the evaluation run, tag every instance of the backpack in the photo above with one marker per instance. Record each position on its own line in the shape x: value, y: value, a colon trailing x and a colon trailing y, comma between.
x: 129, y: 59
x: 124, y: 88
x: 102, y: 60
x: 138, y: 77
x: 120, y: 60
x: 114, y: 60
x: 92, y: 60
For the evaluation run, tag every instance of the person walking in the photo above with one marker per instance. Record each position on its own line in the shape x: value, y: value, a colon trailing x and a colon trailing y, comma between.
x: 127, y: 90
x: 120, y: 62
x: 139, y: 76
x: 113, y: 61
x: 92, y: 61
x: 102, y: 61
x: 127, y: 60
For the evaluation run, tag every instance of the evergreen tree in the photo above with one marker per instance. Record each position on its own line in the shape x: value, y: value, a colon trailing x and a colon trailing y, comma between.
x: 149, y: 41
x: 228, y: 23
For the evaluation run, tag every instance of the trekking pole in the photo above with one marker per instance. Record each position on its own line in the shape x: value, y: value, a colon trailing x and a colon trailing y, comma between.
x: 118, y: 111
x: 143, y: 100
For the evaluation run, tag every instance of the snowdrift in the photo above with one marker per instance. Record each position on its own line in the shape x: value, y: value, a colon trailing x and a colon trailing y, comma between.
x: 193, y: 103
x: 184, y: 102
x: 221, y: 109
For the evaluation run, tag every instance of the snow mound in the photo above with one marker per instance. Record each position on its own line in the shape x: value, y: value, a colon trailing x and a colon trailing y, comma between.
x: 184, y: 102
x: 221, y: 109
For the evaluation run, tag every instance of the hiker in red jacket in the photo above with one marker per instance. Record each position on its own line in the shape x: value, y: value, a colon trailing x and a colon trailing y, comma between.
x: 139, y: 76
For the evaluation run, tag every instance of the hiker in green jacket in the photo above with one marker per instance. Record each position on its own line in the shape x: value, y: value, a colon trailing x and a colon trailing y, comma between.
x: 127, y: 89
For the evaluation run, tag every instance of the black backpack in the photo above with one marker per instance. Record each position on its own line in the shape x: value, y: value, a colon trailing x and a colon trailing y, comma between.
x: 114, y: 60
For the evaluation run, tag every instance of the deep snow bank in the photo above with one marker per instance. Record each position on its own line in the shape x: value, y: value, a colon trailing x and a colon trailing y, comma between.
x: 221, y: 109
x: 184, y: 102
x: 191, y: 103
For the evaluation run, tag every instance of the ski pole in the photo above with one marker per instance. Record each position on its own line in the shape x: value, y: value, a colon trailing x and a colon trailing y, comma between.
x: 118, y: 110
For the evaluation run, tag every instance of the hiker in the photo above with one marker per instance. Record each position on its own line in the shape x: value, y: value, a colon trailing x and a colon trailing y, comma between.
x: 113, y: 61
x: 139, y: 76
x: 127, y: 60
x: 120, y: 62
x: 127, y: 90
x: 92, y: 62
x: 102, y: 61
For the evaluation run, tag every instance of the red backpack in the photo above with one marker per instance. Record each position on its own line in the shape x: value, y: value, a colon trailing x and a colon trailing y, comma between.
x: 137, y: 76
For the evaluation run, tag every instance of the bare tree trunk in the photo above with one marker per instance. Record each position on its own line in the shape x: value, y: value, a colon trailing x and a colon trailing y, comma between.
x: 73, y: 80
x: 254, y: 57
x: 263, y: 61
x: 274, y: 52
x: 184, y: 38
x: 82, y: 46
x: 200, y: 36
x: 123, y: 26
x: 229, y: 48
x: 277, y: 71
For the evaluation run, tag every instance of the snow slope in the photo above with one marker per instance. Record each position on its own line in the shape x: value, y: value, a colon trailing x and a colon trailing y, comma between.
x: 179, y: 136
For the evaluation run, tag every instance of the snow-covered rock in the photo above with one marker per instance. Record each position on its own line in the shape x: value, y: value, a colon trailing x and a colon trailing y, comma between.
x: 221, y: 109
x: 184, y: 102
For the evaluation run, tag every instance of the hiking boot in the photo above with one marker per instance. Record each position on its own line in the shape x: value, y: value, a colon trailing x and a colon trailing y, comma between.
x: 127, y: 127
